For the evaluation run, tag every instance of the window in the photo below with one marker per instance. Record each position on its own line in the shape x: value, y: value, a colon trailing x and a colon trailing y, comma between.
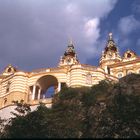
x: 36, y: 92
x: 9, y: 69
x: 89, y: 79
x: 63, y: 85
x: 4, y: 102
x: 120, y: 75
x: 108, y: 69
x: 8, y: 87
x: 128, y: 55
x: 129, y: 72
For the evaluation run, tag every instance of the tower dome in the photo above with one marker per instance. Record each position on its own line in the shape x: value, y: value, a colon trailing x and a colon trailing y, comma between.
x: 111, y: 46
x: 70, y: 56
x: 110, y: 55
x: 70, y: 50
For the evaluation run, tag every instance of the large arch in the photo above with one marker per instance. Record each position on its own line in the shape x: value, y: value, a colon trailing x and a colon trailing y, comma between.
x: 42, y: 85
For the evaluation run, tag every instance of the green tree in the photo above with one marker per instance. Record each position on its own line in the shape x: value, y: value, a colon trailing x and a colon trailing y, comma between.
x: 2, y: 126
x: 68, y: 113
x: 120, y: 119
x: 105, y: 110
x: 31, y: 125
x: 21, y: 108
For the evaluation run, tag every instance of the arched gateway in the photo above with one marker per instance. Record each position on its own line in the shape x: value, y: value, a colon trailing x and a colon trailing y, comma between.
x: 42, y: 85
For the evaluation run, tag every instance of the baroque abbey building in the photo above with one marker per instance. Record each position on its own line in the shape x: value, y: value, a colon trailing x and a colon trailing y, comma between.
x: 32, y: 86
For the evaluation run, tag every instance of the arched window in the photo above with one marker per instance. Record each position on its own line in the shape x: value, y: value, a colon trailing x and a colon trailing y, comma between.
x: 128, y: 55
x: 36, y: 92
x: 4, y: 102
x: 89, y: 79
x: 9, y: 69
x: 139, y: 71
x: 129, y: 72
x: 8, y: 87
x: 120, y: 75
x: 108, y: 69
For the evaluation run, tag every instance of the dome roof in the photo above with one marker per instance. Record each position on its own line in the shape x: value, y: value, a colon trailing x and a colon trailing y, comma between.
x: 70, y: 50
x: 111, y: 46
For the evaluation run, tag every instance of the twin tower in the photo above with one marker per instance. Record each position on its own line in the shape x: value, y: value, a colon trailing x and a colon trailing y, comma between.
x: 111, y: 61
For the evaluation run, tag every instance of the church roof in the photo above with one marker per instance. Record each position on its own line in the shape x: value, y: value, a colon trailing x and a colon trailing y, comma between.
x: 124, y: 63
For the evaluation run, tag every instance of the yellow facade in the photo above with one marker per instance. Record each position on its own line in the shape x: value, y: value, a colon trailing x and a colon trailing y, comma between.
x: 32, y: 86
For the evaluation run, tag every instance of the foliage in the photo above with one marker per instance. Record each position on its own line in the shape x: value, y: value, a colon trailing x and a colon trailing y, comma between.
x: 120, y: 119
x: 102, y: 89
x: 32, y: 125
x: 22, y: 108
x: 105, y: 110
x: 2, y: 125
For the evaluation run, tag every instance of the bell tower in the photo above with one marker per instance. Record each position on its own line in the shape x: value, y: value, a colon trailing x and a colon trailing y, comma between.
x: 70, y: 56
x: 110, y: 55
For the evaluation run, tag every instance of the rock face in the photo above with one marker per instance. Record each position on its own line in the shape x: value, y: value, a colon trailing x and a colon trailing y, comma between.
x: 130, y: 84
x: 120, y: 117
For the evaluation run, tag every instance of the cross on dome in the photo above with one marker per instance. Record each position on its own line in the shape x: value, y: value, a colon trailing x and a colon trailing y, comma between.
x: 70, y: 42
x: 110, y: 36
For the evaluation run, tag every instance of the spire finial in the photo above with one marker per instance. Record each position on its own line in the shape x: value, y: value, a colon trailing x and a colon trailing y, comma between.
x: 110, y: 36
x: 70, y: 42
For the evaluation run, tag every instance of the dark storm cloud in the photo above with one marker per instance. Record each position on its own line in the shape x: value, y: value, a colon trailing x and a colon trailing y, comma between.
x: 34, y: 33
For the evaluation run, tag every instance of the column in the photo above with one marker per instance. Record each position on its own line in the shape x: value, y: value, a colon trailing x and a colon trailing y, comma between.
x: 39, y: 91
x: 33, y: 94
x: 43, y: 95
x: 59, y: 86
x: 106, y: 71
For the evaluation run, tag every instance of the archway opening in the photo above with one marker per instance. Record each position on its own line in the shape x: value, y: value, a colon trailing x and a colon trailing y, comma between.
x: 50, y: 92
x: 45, y: 87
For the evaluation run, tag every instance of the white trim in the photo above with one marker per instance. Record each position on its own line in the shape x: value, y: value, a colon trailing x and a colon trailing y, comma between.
x: 33, y: 94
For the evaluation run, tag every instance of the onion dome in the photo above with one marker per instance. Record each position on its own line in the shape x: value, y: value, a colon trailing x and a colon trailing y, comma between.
x: 111, y: 46
x: 70, y: 50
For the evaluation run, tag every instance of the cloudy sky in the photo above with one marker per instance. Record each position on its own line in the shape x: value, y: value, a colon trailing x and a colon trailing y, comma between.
x: 35, y: 33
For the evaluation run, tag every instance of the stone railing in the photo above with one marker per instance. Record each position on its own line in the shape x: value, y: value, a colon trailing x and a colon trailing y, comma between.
x: 46, y: 101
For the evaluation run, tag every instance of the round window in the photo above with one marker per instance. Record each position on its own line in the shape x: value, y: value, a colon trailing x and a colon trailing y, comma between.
x: 128, y: 55
x: 120, y: 75
x: 129, y: 72
x: 9, y: 69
